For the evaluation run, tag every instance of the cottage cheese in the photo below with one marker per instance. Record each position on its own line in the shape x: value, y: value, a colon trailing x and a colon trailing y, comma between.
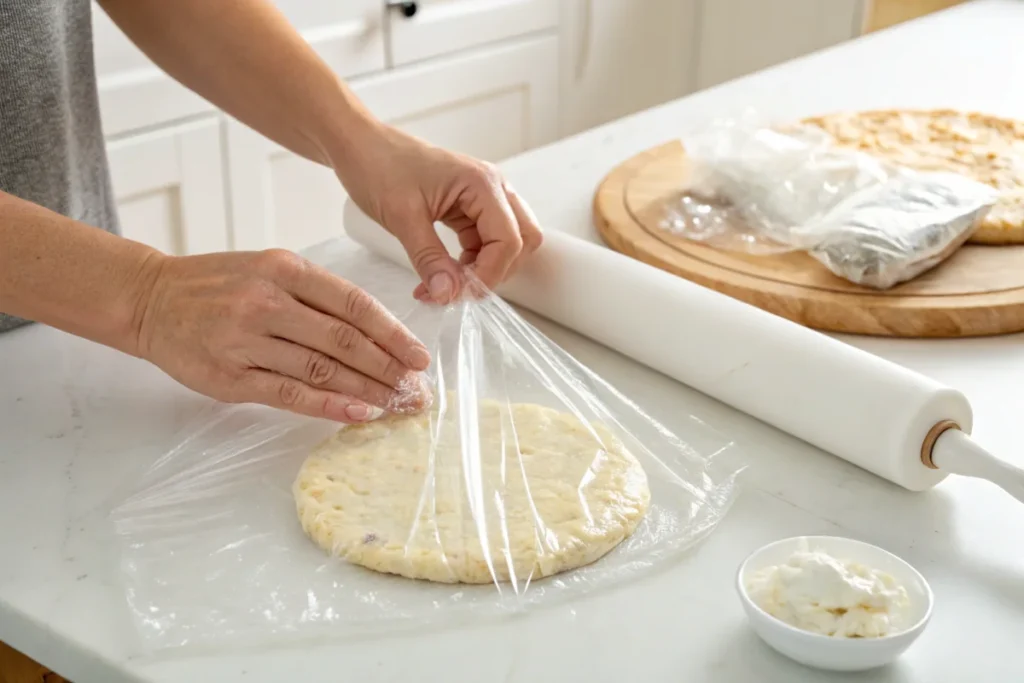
x: 816, y: 592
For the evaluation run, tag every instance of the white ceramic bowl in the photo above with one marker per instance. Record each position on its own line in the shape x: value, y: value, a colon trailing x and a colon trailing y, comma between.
x: 825, y: 652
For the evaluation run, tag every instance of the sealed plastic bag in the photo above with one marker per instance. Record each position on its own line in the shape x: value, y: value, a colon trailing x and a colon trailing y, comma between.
x: 527, y: 480
x: 765, y: 190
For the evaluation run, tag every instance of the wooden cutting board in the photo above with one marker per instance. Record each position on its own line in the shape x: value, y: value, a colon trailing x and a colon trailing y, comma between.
x: 978, y: 291
x: 17, y: 668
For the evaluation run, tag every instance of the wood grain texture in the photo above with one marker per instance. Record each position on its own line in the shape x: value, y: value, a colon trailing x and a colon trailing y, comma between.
x: 979, y: 291
x: 17, y: 668
x: 885, y: 13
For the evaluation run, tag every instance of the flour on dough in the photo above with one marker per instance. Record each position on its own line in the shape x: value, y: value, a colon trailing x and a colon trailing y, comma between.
x: 547, y: 494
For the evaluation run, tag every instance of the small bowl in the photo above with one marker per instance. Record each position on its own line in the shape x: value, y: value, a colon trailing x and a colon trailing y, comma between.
x: 825, y: 652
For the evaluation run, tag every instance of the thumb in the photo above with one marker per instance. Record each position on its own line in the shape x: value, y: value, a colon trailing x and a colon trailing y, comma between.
x: 435, y: 266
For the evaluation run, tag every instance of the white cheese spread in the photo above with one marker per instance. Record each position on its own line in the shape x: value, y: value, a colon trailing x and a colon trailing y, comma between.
x: 816, y: 592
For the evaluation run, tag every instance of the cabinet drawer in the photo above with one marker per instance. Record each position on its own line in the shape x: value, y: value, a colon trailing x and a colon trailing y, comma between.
x: 445, y: 26
x: 135, y: 93
x: 490, y: 103
x: 169, y: 188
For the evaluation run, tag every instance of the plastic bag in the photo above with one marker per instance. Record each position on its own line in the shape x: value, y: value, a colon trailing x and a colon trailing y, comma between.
x: 515, y: 472
x: 768, y: 190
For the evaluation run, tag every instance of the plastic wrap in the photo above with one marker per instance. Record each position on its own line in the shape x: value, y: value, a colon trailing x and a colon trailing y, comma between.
x: 766, y: 190
x: 525, y: 465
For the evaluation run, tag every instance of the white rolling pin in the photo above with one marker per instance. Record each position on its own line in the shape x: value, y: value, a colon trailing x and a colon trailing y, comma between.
x: 876, y: 414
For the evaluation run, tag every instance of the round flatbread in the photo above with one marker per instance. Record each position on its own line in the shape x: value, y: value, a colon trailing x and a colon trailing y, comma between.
x: 986, y: 148
x: 547, y: 494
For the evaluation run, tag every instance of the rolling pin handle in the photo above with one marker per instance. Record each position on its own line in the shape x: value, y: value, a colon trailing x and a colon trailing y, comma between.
x: 954, y: 451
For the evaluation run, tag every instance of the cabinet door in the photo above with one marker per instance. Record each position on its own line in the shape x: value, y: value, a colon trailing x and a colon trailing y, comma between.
x: 490, y: 103
x: 738, y: 37
x: 624, y: 56
x: 135, y: 93
x: 170, y: 190
x: 445, y: 26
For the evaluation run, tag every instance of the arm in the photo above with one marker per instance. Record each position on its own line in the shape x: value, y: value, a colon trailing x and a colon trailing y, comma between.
x: 263, y: 327
x: 243, y: 56
x: 72, y: 276
x: 246, y: 58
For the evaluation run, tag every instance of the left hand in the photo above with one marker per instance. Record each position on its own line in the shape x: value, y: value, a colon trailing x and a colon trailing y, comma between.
x: 406, y: 185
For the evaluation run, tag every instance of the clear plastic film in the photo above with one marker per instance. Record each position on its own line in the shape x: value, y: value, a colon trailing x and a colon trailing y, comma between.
x: 528, y: 480
x: 763, y: 189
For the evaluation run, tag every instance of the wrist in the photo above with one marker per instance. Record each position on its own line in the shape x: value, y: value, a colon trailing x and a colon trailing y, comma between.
x: 136, y: 310
x: 72, y: 276
x: 349, y: 133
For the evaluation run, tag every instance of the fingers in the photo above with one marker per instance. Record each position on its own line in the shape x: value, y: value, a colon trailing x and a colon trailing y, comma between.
x: 503, y: 256
x: 351, y: 323
x: 319, y: 371
x: 360, y: 342
x: 342, y: 342
x: 287, y: 393
x: 439, y: 273
x: 501, y: 231
x: 469, y: 240
x: 500, y: 240
x: 529, y: 228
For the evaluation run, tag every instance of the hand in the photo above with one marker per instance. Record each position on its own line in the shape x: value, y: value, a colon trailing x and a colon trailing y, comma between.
x: 406, y: 185
x: 271, y: 328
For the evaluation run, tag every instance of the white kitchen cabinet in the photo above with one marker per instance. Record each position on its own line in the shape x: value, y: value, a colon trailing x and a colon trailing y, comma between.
x: 169, y: 188
x: 490, y: 103
x: 135, y: 93
x: 738, y: 37
x: 445, y: 26
x: 623, y: 56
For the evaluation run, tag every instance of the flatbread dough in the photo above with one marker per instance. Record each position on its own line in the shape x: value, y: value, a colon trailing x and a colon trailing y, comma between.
x: 548, y: 494
x: 986, y: 148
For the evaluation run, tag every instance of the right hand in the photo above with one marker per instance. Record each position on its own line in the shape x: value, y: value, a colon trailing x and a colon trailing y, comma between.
x: 272, y: 328
x: 406, y: 185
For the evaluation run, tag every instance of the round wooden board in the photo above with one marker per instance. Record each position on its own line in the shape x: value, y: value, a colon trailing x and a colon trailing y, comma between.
x: 977, y: 291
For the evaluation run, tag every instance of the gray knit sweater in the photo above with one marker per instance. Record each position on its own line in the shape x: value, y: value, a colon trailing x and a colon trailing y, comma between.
x: 51, y: 141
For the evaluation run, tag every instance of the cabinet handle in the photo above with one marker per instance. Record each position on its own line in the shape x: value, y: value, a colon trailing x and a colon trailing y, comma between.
x: 408, y: 9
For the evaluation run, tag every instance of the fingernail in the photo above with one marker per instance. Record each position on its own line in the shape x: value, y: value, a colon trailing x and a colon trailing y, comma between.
x: 360, y: 412
x: 419, y: 358
x: 442, y: 287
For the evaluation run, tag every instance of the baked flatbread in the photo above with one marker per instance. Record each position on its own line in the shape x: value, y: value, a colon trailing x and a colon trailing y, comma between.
x: 986, y: 148
x: 548, y: 493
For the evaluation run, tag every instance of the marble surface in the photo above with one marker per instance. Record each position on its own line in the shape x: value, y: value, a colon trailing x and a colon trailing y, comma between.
x: 78, y: 422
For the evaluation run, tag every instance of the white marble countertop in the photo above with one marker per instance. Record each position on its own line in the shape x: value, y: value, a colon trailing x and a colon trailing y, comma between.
x: 78, y: 420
